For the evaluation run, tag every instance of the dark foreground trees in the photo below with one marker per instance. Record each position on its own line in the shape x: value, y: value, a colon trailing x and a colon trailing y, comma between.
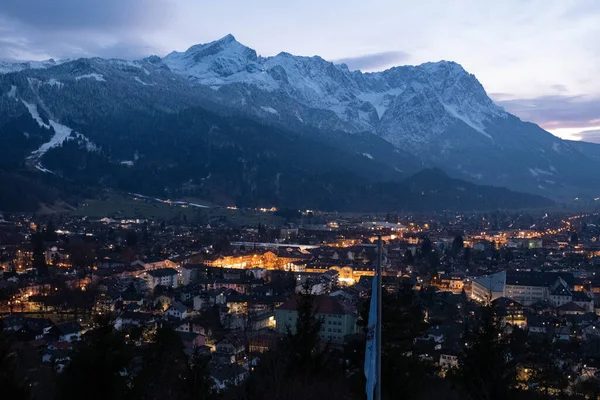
x: 301, y: 367
x: 487, y: 370
x: 98, y: 367
x: 10, y: 386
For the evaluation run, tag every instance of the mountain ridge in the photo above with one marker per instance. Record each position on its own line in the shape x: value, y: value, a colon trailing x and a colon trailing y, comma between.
x: 95, y: 112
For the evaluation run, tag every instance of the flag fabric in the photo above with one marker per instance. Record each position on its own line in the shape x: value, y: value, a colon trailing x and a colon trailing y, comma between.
x: 371, y: 350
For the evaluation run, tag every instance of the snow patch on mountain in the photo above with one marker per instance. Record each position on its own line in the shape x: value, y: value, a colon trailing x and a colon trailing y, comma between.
x: 33, y: 111
x: 96, y: 76
x: 270, y: 110
x: 138, y: 80
x: 12, y: 93
x: 538, y: 171
x: 41, y: 168
x: 54, y: 83
x: 61, y: 133
x: 476, y: 125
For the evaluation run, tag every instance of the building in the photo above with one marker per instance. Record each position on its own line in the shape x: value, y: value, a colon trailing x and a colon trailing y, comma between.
x: 177, y: 310
x: 448, y: 361
x: 488, y: 288
x: 230, y: 349
x: 338, y: 319
x: 131, y: 319
x: 228, y: 375
x: 191, y: 273
x: 163, y: 277
x: 67, y: 331
x: 526, y: 287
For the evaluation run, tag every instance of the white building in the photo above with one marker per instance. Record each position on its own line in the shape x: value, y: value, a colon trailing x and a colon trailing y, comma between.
x: 177, y: 310
x: 526, y: 287
x: 164, y: 277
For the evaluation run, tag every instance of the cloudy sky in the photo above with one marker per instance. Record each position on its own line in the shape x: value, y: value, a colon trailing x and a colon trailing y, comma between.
x: 540, y: 59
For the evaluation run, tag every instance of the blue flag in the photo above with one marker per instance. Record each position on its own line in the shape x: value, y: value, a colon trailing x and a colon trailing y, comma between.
x: 371, y: 351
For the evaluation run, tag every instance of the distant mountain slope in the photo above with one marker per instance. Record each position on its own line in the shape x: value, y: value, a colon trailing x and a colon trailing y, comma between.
x: 589, y: 150
x: 232, y: 160
x: 287, y: 130
x: 436, y: 111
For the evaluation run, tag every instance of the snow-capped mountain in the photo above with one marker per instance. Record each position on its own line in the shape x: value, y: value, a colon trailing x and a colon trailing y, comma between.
x: 364, y: 101
x: 404, y: 118
x: 437, y: 111
x: 8, y: 67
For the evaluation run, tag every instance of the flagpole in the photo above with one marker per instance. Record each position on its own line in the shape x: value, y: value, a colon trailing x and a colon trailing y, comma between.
x: 378, y: 329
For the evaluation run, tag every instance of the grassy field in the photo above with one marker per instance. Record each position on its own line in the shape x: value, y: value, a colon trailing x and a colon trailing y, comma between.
x: 115, y: 205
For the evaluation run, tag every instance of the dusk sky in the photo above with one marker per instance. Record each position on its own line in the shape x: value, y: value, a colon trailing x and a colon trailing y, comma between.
x: 538, y: 59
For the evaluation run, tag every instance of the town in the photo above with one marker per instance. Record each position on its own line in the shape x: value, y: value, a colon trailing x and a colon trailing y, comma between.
x: 226, y: 296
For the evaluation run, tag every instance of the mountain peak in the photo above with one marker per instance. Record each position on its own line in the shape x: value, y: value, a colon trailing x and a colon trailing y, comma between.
x: 227, y: 38
x: 227, y: 46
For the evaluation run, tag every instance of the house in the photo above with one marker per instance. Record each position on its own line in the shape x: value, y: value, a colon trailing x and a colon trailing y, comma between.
x: 345, y: 294
x: 155, y: 263
x: 560, y: 294
x: 228, y: 375
x: 191, y: 273
x: 562, y: 333
x: 58, y: 358
x: 133, y: 319
x: 230, y: 349
x: 34, y: 329
x: 570, y: 309
x: 67, y: 331
x: 209, y: 298
x: 338, y: 318
x: 177, y: 310
x: 131, y: 297
x: 510, y: 310
x: 448, y: 361
x: 164, y: 277
x: 191, y: 341
x: 584, y: 301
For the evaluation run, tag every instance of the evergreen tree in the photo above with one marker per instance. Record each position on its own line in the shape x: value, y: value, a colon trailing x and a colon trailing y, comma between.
x: 39, y: 253
x: 301, y: 367
x: 50, y: 232
x: 198, y: 382
x: 457, y: 244
x: 131, y: 238
x: 97, y: 365
x: 408, y: 257
x: 426, y: 246
x: 165, y: 369
x: 574, y: 239
x: 10, y: 386
x: 486, y: 369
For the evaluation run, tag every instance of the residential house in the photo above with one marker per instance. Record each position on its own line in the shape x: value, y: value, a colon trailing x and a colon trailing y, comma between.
x: 67, y: 331
x: 230, y: 349
x: 191, y: 341
x: 448, y: 361
x: 338, y: 318
x: 228, y: 375
x: 191, y: 273
x: 134, y: 319
x: 177, y: 310
x: 570, y: 309
x: 584, y: 300
x: 164, y: 277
